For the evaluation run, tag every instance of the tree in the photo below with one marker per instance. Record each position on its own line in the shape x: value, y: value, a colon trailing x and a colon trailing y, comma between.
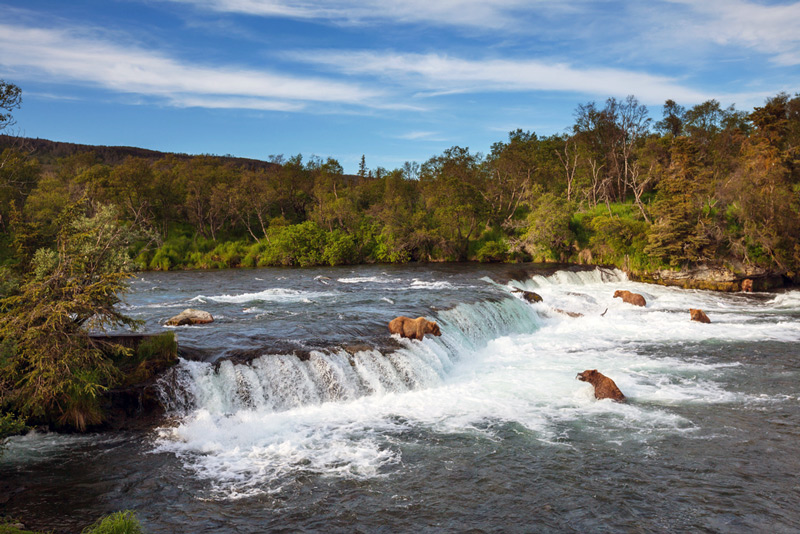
x: 10, y: 99
x: 673, y: 121
x: 452, y: 186
x: 679, y: 234
x: 549, y: 236
x: 50, y: 368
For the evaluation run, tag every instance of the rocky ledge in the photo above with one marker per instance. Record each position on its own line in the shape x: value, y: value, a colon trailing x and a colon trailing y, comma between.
x: 716, y: 278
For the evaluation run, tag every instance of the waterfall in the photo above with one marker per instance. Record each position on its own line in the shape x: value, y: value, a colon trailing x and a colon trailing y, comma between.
x: 277, y: 382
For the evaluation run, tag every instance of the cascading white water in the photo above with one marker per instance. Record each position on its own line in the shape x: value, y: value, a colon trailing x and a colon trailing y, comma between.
x: 277, y: 382
x: 500, y: 359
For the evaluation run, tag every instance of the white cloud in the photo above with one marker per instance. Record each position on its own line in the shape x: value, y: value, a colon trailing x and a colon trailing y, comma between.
x: 493, y: 14
x: 65, y: 56
x: 421, y: 136
x: 770, y: 29
x: 435, y: 74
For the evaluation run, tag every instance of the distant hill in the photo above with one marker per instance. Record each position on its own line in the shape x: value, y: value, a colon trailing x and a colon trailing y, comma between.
x: 48, y: 152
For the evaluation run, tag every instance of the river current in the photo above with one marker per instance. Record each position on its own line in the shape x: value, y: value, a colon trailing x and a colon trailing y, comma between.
x: 307, y: 416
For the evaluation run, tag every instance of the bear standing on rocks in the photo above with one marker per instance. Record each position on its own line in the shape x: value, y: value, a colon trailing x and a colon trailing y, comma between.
x: 631, y: 298
x: 413, y: 328
x: 604, y: 387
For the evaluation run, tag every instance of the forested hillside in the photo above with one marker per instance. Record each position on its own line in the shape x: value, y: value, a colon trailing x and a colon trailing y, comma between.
x: 701, y: 185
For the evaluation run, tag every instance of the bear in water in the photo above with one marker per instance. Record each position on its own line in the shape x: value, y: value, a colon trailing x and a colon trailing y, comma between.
x: 604, y: 387
x: 631, y: 298
x: 699, y: 316
x: 413, y: 328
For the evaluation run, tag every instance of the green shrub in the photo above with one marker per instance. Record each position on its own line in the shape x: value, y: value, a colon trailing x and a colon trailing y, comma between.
x: 493, y: 251
x: 124, y: 522
x: 342, y: 249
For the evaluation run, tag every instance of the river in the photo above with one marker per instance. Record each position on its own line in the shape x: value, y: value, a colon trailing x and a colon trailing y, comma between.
x: 316, y: 420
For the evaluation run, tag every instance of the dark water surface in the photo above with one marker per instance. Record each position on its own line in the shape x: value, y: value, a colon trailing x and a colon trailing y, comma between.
x: 484, y: 429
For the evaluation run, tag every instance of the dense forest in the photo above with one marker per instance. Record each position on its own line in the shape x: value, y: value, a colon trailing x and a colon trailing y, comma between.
x: 705, y: 185
x: 701, y: 185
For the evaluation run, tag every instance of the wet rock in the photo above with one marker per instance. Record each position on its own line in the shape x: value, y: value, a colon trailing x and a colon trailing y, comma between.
x: 530, y: 296
x: 190, y: 316
x: 568, y: 313
x: 717, y: 278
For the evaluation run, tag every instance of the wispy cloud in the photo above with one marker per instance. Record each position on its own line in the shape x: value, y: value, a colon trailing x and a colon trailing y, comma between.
x: 80, y: 57
x: 421, y: 136
x: 475, y: 13
x: 435, y: 74
x: 770, y: 29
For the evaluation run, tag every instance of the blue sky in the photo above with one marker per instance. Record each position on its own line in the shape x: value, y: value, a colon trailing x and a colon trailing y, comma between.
x: 394, y: 80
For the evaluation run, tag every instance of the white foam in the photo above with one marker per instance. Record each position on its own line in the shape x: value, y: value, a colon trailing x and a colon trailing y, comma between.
x: 789, y: 300
x: 422, y: 284
x: 246, y: 428
x: 268, y: 295
x: 368, y: 280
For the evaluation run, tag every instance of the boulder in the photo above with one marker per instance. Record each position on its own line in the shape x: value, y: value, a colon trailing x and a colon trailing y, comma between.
x: 190, y: 316
x: 699, y: 316
x: 530, y: 296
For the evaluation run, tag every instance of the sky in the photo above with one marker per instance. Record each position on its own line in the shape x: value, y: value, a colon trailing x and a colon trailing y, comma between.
x: 394, y: 81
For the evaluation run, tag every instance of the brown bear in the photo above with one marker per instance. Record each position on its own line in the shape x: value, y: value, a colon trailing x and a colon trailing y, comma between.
x: 631, y: 298
x: 413, y: 328
x: 604, y: 387
x: 747, y: 285
x: 699, y: 316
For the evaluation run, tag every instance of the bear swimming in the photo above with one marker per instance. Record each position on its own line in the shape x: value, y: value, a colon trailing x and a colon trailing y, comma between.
x: 699, y: 316
x: 413, y: 328
x: 631, y: 298
x: 604, y: 387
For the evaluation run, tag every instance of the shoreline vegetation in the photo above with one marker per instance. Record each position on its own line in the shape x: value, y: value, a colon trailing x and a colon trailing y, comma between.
x: 707, y: 197
x: 703, y: 190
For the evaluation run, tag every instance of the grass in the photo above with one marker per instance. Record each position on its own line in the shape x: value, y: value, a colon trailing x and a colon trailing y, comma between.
x: 123, y: 522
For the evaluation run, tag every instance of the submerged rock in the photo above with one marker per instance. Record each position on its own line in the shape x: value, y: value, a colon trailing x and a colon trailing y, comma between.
x: 190, y: 316
x: 530, y: 296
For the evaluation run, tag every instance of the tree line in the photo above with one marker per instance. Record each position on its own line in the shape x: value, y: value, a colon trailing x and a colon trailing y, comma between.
x: 703, y: 184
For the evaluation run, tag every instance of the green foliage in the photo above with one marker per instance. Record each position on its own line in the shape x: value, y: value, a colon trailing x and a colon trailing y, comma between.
x: 124, y: 522
x: 10, y: 425
x: 549, y: 236
x: 9, y: 525
x: 51, y: 370
x: 493, y: 251
x: 717, y: 185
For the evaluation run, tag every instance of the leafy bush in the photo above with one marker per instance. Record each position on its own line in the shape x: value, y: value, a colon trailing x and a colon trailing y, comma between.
x: 492, y: 251
x: 124, y: 522
x: 549, y: 236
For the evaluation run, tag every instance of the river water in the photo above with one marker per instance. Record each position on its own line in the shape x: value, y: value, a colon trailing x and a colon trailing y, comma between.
x: 309, y: 417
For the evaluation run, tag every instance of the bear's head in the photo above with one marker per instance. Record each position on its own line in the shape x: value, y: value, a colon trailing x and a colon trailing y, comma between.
x: 432, y: 328
x: 618, y: 293
x: 587, y: 375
